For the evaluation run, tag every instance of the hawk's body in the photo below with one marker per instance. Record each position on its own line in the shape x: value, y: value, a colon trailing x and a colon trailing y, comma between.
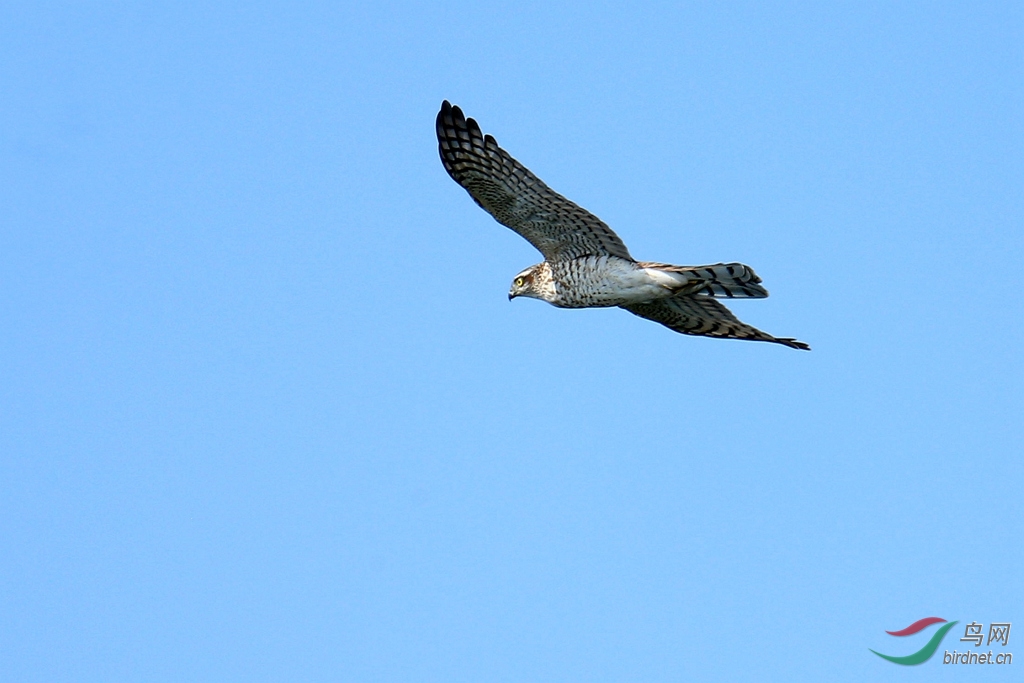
x: 586, y: 264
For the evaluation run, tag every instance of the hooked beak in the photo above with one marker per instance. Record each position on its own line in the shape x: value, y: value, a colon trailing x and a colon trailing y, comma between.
x: 512, y: 296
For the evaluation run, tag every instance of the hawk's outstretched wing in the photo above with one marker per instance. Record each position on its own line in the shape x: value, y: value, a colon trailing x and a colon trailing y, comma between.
x: 705, y: 317
x: 515, y: 197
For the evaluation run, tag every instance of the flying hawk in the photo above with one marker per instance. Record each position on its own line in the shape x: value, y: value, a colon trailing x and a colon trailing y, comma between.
x: 585, y: 264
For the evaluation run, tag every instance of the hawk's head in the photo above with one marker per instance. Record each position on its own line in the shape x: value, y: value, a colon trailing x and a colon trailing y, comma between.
x: 534, y: 282
x: 522, y: 285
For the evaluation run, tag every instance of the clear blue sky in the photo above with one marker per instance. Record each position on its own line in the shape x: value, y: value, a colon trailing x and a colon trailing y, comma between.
x: 266, y: 413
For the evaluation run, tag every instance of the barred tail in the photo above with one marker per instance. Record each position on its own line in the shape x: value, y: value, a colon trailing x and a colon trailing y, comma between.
x: 720, y: 280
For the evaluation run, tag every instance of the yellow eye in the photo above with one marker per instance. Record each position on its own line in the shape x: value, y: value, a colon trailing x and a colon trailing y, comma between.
x: 519, y: 282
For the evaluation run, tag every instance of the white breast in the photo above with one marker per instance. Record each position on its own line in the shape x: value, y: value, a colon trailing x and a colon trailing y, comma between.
x: 609, y: 281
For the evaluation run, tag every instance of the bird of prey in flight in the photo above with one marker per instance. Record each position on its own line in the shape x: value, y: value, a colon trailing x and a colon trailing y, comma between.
x: 585, y: 264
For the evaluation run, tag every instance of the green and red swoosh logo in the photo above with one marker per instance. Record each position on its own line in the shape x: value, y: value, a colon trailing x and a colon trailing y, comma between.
x: 930, y: 647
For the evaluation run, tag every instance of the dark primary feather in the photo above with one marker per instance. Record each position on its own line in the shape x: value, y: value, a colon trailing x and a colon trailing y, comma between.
x: 704, y: 317
x: 516, y: 198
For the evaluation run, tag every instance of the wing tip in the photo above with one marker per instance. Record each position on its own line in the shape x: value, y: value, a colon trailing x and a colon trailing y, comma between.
x: 793, y: 343
x: 444, y: 111
x: 449, y: 108
x: 449, y: 115
x: 451, y: 120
